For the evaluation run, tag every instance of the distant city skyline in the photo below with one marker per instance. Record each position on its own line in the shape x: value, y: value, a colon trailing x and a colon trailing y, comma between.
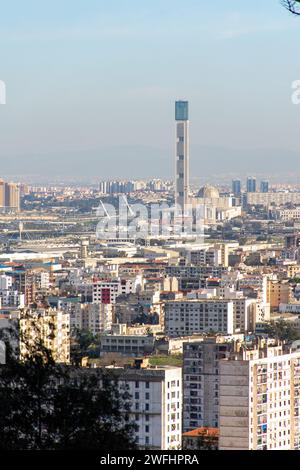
x: 89, y: 85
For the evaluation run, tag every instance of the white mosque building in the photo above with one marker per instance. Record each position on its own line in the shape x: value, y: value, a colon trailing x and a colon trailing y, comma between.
x: 216, y: 208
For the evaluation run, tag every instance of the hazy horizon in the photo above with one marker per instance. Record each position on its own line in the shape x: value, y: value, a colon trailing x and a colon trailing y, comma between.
x: 91, y: 88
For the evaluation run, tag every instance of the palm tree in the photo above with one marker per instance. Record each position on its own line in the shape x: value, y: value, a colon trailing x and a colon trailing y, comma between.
x: 292, y: 5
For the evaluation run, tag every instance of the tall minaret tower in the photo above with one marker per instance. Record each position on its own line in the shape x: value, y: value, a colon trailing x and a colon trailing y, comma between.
x: 182, y: 153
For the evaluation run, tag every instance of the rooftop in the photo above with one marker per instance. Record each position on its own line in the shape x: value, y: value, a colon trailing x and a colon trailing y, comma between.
x: 212, y: 432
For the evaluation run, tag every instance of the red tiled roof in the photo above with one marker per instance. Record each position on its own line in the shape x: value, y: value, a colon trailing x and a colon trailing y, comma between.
x: 213, y: 432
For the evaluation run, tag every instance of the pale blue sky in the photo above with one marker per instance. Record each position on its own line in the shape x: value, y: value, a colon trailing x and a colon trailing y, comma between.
x: 93, y: 82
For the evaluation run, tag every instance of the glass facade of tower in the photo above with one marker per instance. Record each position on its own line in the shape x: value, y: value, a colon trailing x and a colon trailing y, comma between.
x: 182, y: 111
x: 264, y: 187
x: 236, y: 187
x: 251, y: 185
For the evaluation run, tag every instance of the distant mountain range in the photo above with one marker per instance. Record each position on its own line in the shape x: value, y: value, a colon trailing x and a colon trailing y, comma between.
x: 146, y: 162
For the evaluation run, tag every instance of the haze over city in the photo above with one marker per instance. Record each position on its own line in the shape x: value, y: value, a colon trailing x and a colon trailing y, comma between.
x: 149, y: 230
x: 91, y: 87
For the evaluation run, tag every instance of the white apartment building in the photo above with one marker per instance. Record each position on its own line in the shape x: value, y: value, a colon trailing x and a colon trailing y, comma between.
x: 260, y: 400
x: 216, y: 255
x: 128, y: 345
x: 290, y: 308
x: 96, y: 318
x: 244, y: 314
x: 259, y: 285
x: 5, y: 282
x: 42, y: 279
x: 204, y: 256
x: 287, y: 214
x: 12, y: 298
x: 244, y: 310
x: 106, y: 291
x: 184, y: 317
x: 279, y: 198
x: 156, y: 397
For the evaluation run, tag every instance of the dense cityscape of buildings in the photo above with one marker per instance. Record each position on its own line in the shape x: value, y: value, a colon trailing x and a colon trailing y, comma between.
x: 204, y: 332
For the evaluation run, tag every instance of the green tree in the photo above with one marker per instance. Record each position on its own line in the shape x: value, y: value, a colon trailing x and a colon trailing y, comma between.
x: 83, y: 343
x: 282, y: 331
x: 292, y: 5
x: 48, y: 406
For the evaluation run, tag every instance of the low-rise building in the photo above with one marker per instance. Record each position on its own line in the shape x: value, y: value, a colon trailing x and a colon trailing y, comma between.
x: 201, y: 439
x: 128, y: 345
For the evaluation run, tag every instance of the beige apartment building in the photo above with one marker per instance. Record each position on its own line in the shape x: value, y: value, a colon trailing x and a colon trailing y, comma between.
x: 259, y: 401
x: 50, y: 326
x: 278, y: 292
x: 279, y: 198
x: 9, y: 195
x: 293, y: 270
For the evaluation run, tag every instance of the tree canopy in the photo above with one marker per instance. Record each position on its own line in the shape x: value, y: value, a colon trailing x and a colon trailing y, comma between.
x: 48, y: 406
x: 292, y: 5
x: 281, y: 330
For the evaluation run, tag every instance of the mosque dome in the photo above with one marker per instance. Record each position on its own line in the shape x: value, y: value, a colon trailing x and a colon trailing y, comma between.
x: 208, y: 192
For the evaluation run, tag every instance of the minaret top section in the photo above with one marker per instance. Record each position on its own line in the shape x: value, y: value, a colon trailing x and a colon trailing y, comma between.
x: 181, y: 110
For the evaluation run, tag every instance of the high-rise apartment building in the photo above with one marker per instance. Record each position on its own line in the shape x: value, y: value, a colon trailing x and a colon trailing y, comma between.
x: 182, y: 154
x: 156, y: 404
x: 12, y: 196
x: 2, y: 193
x: 260, y: 401
x: 201, y: 382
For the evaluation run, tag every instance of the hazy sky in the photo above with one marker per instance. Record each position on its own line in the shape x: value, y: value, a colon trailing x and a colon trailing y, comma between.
x: 91, y: 85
